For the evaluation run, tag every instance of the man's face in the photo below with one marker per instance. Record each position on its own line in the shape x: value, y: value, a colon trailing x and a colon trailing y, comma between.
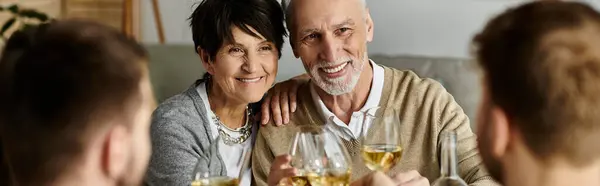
x: 486, y: 135
x: 330, y: 37
x: 140, y: 137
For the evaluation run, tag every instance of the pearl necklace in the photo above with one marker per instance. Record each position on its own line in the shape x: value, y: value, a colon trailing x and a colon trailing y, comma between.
x: 245, y: 130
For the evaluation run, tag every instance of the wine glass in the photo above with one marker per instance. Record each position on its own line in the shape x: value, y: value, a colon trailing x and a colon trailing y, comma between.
x: 381, y: 146
x: 320, y: 159
x: 202, y: 176
x: 338, y: 165
x: 307, y: 158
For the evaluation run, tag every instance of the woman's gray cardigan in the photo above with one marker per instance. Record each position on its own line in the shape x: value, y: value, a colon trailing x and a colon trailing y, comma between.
x: 181, y: 136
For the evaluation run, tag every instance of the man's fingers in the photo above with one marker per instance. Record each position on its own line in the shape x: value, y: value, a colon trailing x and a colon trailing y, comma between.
x: 374, y: 179
x: 275, y: 107
x: 282, y: 175
x: 293, y: 100
x: 289, y: 172
x: 421, y: 181
x: 281, y: 102
x: 285, y: 111
x: 281, y: 162
x: 281, y: 169
x: 265, y: 112
x: 406, y: 176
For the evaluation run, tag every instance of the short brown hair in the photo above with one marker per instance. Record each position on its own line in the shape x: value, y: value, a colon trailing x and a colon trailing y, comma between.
x: 542, y: 67
x: 60, y: 83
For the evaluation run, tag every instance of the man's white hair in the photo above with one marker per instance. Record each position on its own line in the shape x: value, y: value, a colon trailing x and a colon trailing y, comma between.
x: 285, y: 5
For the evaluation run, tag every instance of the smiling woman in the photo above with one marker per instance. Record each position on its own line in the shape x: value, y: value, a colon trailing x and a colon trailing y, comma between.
x: 239, y: 43
x: 242, y: 70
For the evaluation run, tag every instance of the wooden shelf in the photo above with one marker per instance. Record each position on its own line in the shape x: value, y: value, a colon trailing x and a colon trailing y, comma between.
x: 105, y: 11
x: 123, y: 15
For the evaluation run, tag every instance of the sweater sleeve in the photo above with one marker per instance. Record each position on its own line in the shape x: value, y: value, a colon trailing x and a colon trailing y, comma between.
x: 261, y: 160
x: 452, y: 117
x: 174, y: 152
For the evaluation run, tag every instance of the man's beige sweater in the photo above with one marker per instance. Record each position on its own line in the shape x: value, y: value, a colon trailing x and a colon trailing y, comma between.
x: 426, y: 110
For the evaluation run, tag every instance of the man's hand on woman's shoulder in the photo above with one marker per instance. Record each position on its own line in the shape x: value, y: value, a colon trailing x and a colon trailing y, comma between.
x: 281, y: 101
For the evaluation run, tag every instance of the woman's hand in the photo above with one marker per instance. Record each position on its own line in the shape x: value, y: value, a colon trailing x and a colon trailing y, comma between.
x: 281, y: 100
x: 281, y: 170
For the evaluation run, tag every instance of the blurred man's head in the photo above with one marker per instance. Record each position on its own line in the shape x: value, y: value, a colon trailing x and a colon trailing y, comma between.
x: 541, y: 64
x: 330, y: 37
x: 76, y: 105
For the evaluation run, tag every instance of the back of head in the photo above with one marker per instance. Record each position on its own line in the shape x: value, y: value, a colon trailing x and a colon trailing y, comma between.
x: 542, y: 67
x: 61, y: 82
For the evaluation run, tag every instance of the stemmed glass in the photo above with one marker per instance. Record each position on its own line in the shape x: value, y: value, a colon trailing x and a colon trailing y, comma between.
x: 320, y: 158
x: 202, y: 176
x: 381, y: 145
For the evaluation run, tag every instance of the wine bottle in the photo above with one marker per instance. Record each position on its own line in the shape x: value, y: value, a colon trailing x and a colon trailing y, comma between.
x: 449, y: 169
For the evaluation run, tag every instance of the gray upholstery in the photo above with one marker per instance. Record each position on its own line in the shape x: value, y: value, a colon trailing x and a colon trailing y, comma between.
x: 459, y: 76
x: 174, y: 67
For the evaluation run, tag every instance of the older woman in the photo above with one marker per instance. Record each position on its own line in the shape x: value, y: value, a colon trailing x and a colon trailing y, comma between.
x: 239, y: 43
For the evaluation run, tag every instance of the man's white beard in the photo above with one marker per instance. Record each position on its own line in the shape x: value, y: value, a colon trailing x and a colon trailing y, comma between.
x: 340, y: 85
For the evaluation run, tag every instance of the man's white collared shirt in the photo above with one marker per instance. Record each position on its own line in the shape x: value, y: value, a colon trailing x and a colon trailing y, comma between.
x: 353, y: 129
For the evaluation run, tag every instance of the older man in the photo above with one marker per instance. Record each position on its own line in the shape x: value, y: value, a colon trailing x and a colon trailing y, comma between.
x: 330, y: 37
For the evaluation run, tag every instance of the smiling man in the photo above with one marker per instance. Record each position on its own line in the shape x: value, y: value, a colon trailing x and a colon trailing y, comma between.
x: 330, y: 37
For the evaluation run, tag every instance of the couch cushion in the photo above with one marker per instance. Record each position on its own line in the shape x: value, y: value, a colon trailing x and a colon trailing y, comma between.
x: 458, y: 76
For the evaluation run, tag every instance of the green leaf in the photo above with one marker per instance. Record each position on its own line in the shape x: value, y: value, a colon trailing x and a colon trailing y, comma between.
x: 33, y: 14
x: 27, y: 26
x: 7, y: 25
x: 14, y: 9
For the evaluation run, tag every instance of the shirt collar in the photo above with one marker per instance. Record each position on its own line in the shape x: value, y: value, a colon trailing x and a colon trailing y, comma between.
x: 372, y: 100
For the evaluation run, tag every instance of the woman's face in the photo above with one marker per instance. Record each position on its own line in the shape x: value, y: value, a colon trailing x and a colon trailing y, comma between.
x: 245, y: 69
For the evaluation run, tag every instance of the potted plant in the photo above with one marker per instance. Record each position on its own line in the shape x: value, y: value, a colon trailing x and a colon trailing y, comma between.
x: 22, y: 18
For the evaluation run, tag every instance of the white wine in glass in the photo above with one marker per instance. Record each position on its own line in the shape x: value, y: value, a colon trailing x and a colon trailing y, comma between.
x: 307, y: 178
x: 338, y: 163
x: 333, y: 178
x: 307, y: 158
x: 202, y: 176
x: 320, y: 158
x: 216, y: 181
x: 381, y: 156
x: 381, y: 147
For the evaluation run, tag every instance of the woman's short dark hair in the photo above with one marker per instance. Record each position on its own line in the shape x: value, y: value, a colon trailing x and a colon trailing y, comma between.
x: 212, y: 21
